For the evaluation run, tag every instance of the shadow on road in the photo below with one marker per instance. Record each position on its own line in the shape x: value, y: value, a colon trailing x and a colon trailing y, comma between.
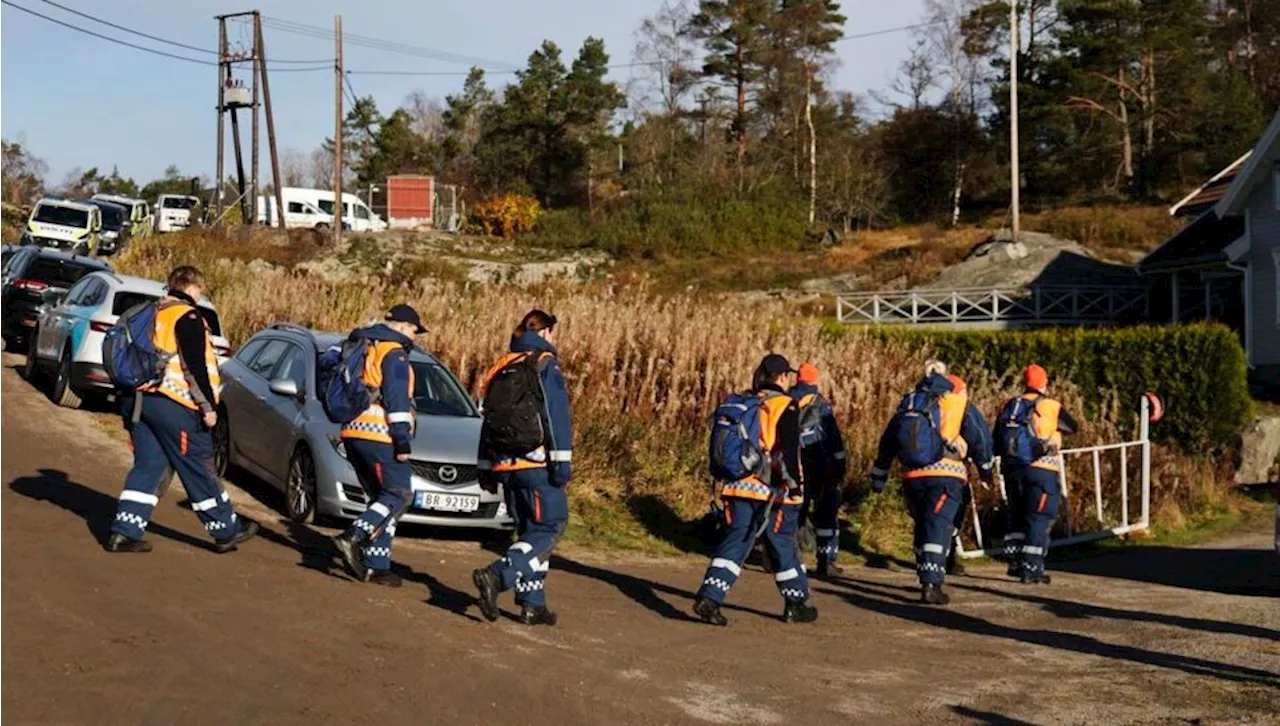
x: 1072, y: 642
x: 986, y: 717
x: 95, y: 508
x: 1232, y: 572
x: 645, y: 592
x: 319, y: 554
x: 1069, y: 609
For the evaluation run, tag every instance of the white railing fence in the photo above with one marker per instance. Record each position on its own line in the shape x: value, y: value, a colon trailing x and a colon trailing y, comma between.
x: 1110, y: 523
x: 1060, y: 304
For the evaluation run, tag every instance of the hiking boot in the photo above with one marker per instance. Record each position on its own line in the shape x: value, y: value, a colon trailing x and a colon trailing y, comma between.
x: 120, y: 543
x: 350, y: 548
x: 488, y: 587
x: 933, y: 595
x: 828, y: 569
x: 386, y: 578
x: 1041, y: 579
x: 537, y: 615
x: 799, y: 612
x: 709, y: 611
x: 248, y: 530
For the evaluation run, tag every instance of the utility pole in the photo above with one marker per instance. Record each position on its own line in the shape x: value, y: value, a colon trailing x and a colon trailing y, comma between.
x: 233, y: 95
x: 1014, y: 175
x: 271, y: 124
x: 217, y: 182
x: 337, y: 131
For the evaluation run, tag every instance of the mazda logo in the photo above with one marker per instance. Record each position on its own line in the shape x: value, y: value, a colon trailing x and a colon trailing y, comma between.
x: 448, y: 474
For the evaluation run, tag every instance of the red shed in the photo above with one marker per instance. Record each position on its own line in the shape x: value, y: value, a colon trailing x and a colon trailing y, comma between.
x: 410, y: 201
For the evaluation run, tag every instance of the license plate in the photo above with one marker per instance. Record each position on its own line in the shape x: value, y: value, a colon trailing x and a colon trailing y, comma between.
x: 446, y: 502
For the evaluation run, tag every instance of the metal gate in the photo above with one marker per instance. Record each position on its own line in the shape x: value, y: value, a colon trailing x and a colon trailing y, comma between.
x: 1108, y: 526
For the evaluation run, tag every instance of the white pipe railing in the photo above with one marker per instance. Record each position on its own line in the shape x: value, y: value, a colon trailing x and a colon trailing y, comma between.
x: 1124, y: 526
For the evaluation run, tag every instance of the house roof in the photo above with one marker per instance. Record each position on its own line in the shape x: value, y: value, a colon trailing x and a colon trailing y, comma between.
x: 1203, y: 242
x: 1210, y: 192
x: 1266, y: 154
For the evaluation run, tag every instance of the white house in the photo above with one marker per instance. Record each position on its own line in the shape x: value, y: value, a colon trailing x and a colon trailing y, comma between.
x: 1229, y: 257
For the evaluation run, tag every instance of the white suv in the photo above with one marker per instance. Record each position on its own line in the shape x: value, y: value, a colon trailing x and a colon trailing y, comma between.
x: 69, y: 332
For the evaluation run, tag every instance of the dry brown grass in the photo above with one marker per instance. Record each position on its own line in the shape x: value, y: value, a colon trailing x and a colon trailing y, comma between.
x: 1116, y: 233
x: 644, y: 369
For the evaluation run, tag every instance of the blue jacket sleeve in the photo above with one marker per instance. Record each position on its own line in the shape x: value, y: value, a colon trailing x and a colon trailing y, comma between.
x: 397, y: 399
x: 834, y: 441
x: 559, y: 424
x: 977, y: 434
x: 887, y: 451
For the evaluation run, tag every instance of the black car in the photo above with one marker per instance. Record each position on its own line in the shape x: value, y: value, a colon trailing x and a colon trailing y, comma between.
x: 33, y: 276
x: 115, y: 226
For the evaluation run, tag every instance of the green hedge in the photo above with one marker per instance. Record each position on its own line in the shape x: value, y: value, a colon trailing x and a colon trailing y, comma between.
x: 1197, y: 370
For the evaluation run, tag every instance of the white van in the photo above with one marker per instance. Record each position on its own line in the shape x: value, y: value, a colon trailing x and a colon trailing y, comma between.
x: 313, y: 208
x: 173, y: 212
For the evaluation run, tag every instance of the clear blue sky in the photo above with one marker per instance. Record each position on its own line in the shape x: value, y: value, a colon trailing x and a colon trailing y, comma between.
x: 78, y: 101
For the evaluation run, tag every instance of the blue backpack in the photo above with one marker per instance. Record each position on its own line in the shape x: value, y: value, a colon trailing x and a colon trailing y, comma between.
x: 340, y: 380
x: 129, y: 352
x: 1016, y: 440
x: 812, y: 432
x: 735, y: 438
x: 917, y: 429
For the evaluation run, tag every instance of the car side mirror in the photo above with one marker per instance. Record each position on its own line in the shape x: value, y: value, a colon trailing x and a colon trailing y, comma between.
x: 52, y: 297
x: 285, y: 387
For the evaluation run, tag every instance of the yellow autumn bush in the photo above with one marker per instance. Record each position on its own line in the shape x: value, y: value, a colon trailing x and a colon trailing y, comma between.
x: 507, y: 215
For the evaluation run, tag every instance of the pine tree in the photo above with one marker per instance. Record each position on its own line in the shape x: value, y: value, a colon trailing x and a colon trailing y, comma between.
x: 735, y: 34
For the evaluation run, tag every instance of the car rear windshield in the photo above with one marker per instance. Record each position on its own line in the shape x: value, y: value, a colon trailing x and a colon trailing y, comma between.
x: 66, y: 216
x: 58, y: 272
x: 178, y: 203
x: 211, y: 317
x: 437, y: 393
x: 125, y: 300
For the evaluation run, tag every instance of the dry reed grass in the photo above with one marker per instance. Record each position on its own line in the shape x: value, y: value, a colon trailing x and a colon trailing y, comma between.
x: 644, y: 370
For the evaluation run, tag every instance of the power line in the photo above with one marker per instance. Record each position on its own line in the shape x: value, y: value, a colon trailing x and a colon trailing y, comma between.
x: 148, y: 36
x: 289, y: 26
x: 107, y: 37
x: 638, y: 64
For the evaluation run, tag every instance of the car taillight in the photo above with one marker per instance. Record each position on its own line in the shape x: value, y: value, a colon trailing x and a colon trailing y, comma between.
x: 99, y: 327
x: 32, y: 285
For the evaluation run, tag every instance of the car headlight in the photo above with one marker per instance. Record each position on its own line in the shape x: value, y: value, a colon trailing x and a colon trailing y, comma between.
x: 338, y: 446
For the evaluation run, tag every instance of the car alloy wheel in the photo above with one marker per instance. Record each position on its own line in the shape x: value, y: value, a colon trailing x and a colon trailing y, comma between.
x: 221, y: 445
x: 63, y: 394
x: 31, y: 368
x: 300, y: 489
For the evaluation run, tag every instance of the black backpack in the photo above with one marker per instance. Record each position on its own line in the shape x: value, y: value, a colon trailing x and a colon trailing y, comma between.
x: 513, y: 405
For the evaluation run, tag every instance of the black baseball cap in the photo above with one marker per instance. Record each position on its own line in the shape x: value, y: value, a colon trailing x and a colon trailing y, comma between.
x: 776, y: 365
x: 405, y: 314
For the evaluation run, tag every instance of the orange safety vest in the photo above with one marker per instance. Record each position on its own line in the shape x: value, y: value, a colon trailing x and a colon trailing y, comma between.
x: 175, y: 383
x: 753, y: 487
x: 536, y: 459
x: 1045, y: 425
x: 373, y: 424
x: 951, y: 406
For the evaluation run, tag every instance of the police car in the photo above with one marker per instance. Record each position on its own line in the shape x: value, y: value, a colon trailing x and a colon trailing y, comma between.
x: 67, y: 340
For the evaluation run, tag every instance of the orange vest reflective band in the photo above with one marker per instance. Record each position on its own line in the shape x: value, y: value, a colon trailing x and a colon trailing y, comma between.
x: 372, y: 424
x: 175, y: 383
x: 536, y: 459
x: 1045, y: 425
x: 951, y: 407
x: 752, y: 487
